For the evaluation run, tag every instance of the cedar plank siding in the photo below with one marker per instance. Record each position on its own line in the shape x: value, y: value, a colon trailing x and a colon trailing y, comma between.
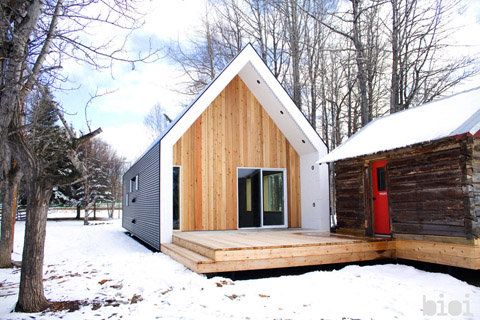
x: 432, y: 189
x: 234, y: 131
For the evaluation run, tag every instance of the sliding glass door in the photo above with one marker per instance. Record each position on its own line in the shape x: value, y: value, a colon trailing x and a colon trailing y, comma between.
x: 273, y: 198
x: 261, y: 198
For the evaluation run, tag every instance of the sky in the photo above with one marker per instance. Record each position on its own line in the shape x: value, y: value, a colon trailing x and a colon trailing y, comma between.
x: 133, y: 91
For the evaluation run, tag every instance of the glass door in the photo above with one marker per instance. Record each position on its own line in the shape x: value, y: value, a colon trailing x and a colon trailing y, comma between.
x: 249, y: 198
x: 261, y: 198
x: 273, y: 198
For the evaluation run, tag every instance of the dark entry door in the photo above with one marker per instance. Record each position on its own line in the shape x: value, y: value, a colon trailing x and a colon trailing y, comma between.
x: 381, y: 217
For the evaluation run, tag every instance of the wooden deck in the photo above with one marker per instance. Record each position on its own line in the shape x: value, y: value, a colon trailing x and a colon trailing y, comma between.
x: 221, y: 251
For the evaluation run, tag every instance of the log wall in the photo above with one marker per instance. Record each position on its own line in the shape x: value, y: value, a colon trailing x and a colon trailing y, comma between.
x: 426, y: 189
x: 473, y: 185
x: 350, y: 195
x: 433, y: 189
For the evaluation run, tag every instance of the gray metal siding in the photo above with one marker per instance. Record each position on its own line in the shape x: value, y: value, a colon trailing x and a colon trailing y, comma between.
x: 142, y: 216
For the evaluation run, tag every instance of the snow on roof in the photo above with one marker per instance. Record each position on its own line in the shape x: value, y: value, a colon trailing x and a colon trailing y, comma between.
x: 450, y: 116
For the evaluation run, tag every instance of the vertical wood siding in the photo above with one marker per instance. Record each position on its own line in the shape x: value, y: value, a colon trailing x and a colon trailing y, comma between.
x: 234, y: 131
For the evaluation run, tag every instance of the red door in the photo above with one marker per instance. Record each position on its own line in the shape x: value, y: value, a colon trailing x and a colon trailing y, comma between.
x: 381, y: 217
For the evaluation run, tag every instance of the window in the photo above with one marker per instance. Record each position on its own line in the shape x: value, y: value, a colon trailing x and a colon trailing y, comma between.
x: 272, y: 191
x: 176, y: 198
x: 248, y: 194
x: 126, y: 199
x: 381, y: 183
x: 134, y: 183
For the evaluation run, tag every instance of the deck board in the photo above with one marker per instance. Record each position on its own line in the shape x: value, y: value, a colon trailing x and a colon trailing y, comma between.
x: 236, y: 250
x: 220, y: 251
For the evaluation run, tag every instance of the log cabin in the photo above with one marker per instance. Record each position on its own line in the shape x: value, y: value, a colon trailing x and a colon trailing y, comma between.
x: 241, y: 156
x: 414, y: 177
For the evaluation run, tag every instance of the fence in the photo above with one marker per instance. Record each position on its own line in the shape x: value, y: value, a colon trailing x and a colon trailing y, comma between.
x: 22, y: 212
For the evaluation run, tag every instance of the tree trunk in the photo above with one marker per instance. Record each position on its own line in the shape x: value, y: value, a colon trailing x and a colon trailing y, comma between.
x: 31, y: 297
x: 94, y: 211
x: 77, y: 217
x: 111, y: 210
x: 395, y: 55
x: 360, y: 62
x: 85, y: 217
x: 9, y: 212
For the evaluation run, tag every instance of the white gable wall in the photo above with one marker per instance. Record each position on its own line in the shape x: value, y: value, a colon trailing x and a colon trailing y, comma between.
x: 292, y: 123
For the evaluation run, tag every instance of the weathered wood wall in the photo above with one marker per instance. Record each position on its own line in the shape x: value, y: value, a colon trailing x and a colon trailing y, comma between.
x: 473, y: 185
x: 426, y: 189
x: 234, y: 131
x: 430, y: 189
x: 350, y: 194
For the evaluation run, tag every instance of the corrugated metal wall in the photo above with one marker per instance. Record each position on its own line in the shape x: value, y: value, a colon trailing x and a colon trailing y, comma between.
x: 142, y: 214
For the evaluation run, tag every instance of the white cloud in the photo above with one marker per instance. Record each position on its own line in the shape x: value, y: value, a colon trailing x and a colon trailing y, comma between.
x: 129, y: 140
x: 173, y: 19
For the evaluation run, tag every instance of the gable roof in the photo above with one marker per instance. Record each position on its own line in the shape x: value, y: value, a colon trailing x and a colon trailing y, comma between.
x: 268, y: 91
x: 450, y: 116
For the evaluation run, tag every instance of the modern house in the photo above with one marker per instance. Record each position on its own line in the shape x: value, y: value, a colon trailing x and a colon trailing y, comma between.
x: 235, y: 182
x: 240, y: 156
x: 415, y: 175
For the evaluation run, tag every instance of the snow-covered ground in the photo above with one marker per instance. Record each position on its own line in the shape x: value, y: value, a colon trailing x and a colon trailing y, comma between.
x: 102, y: 265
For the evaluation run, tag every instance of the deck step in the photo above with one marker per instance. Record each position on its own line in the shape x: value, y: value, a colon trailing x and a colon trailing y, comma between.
x: 188, y: 258
x: 277, y: 251
x: 194, y: 246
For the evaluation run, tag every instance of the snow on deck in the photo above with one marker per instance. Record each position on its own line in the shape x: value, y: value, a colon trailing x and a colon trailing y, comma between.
x: 101, y: 264
x: 446, y: 117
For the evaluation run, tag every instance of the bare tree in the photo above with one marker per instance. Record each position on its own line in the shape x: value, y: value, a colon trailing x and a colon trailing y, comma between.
x: 157, y: 120
x: 9, y: 184
x: 420, y: 34
x: 333, y: 57
x: 33, y: 48
x: 48, y: 158
x: 295, y: 27
x: 116, y: 168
